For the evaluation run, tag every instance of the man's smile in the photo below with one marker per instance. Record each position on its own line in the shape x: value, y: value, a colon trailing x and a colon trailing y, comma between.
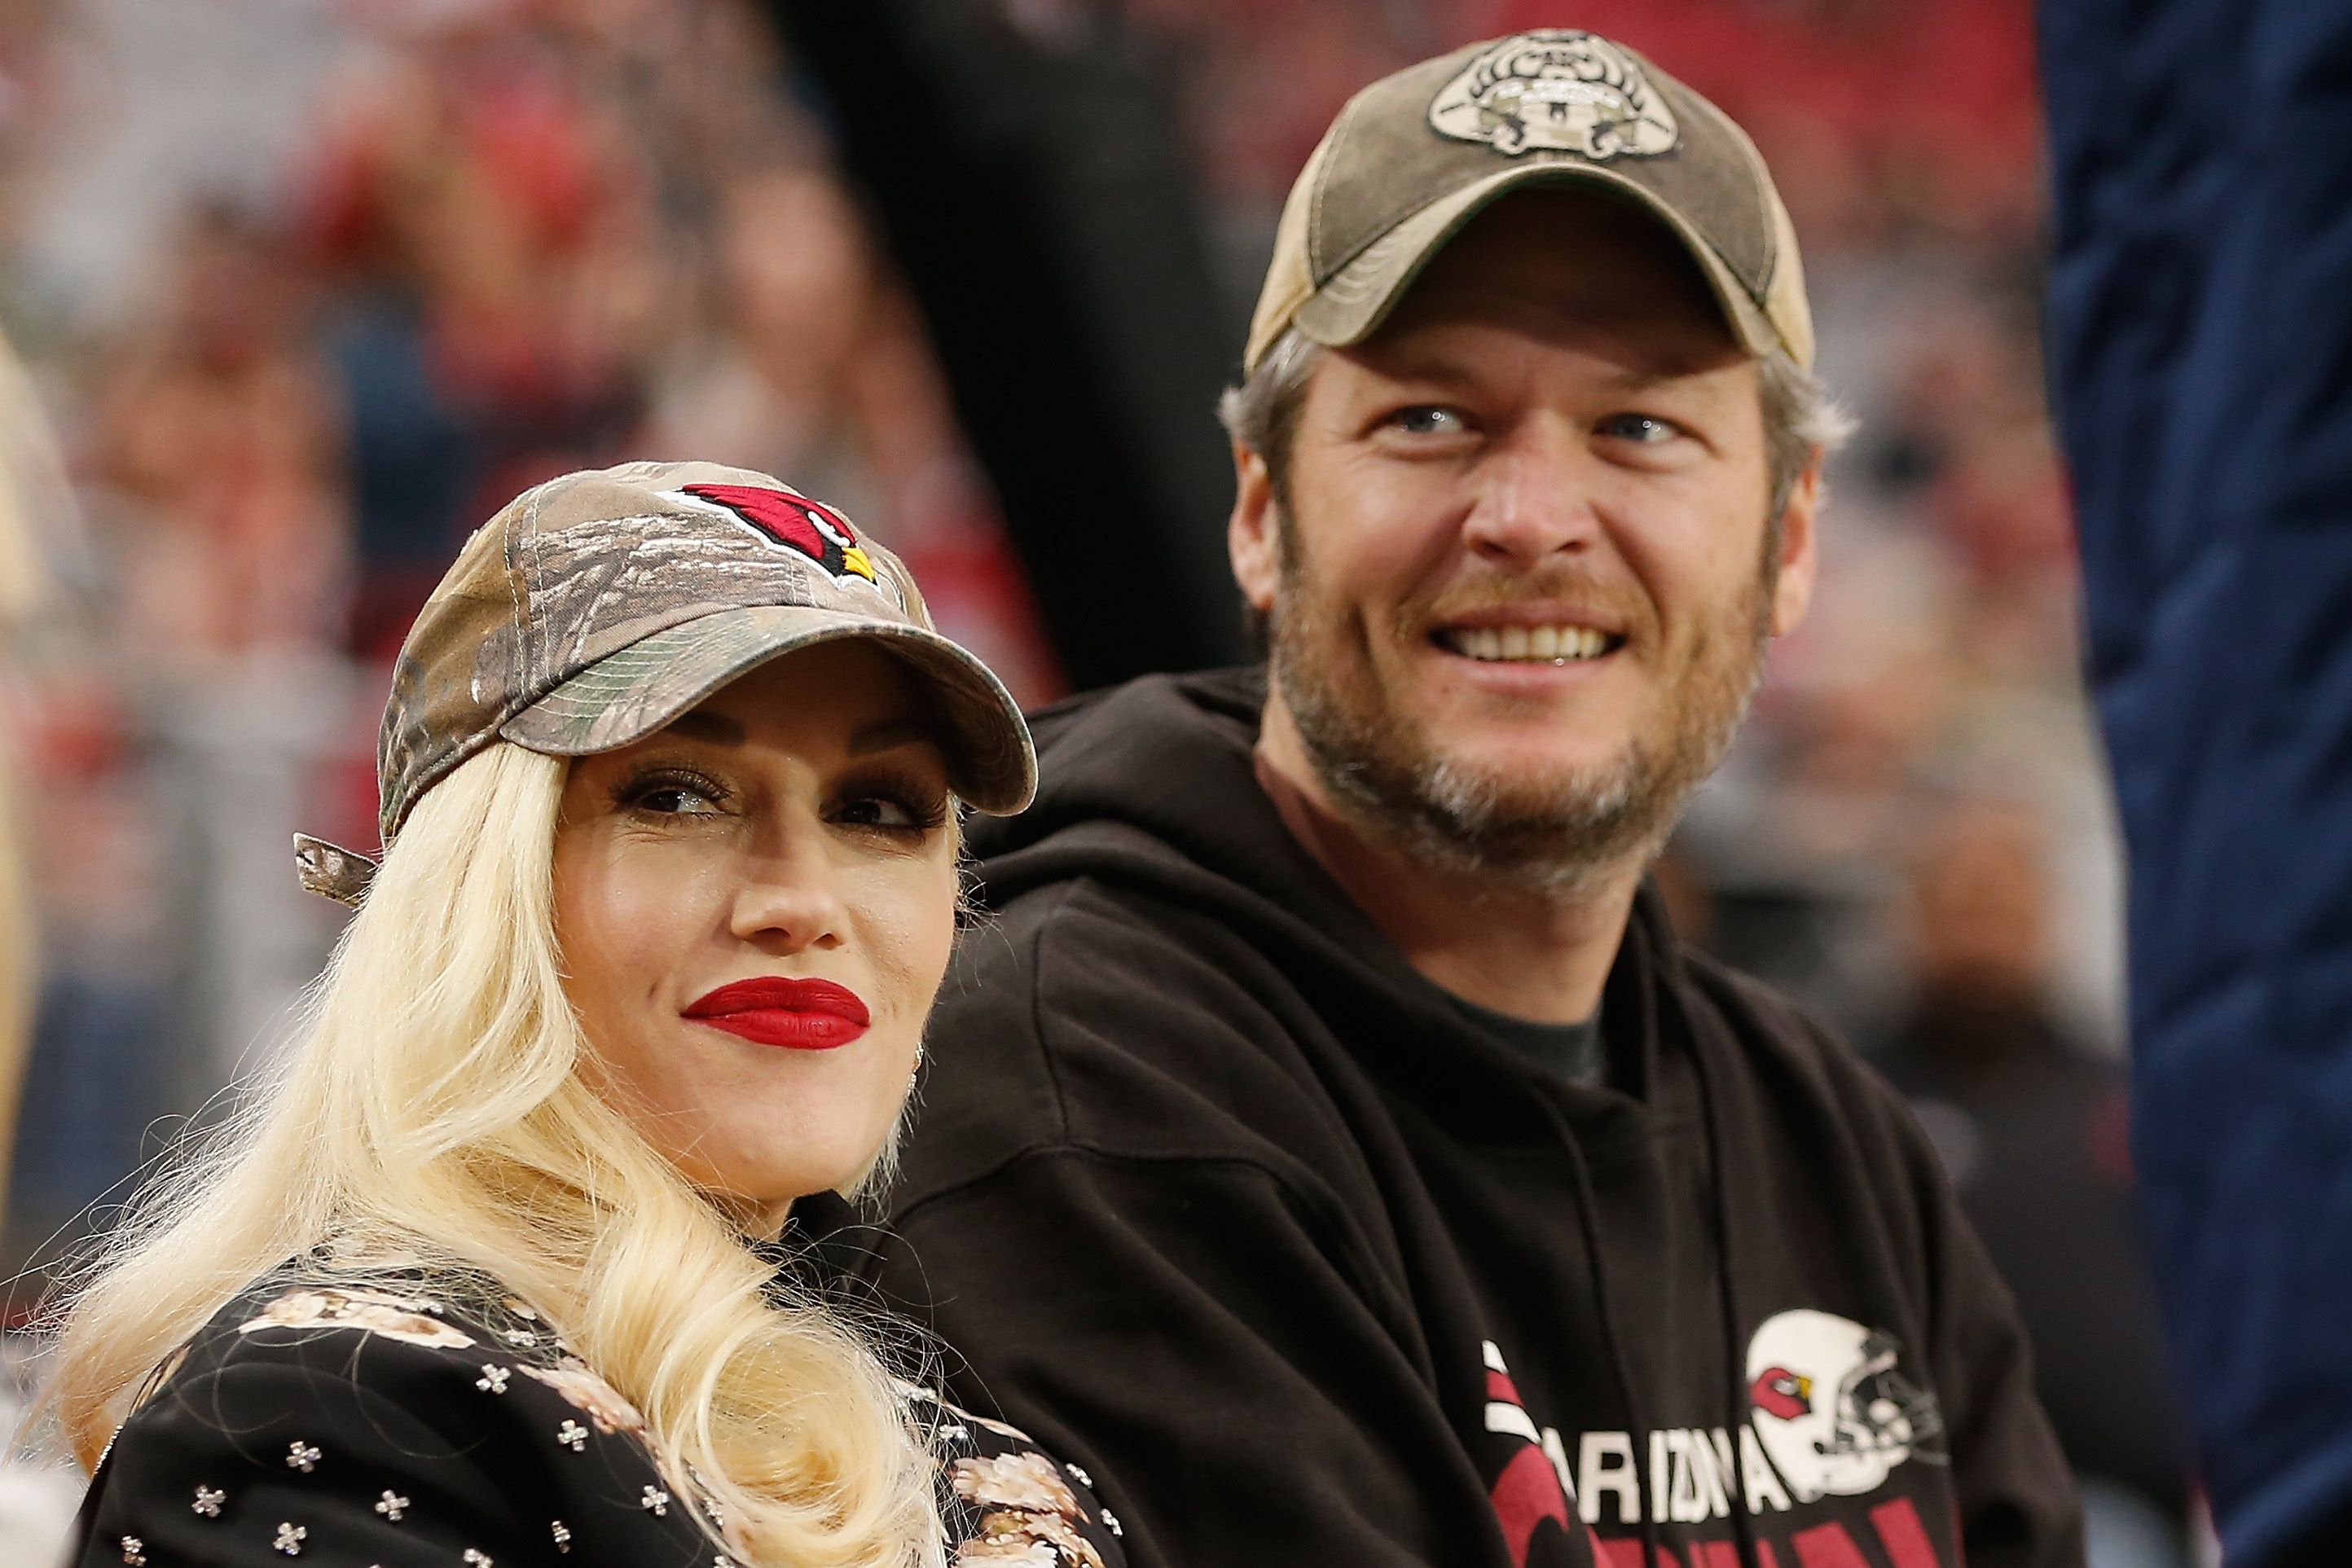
x: 1528, y: 644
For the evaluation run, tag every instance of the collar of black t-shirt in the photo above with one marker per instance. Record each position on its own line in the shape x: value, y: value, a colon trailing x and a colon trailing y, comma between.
x: 1567, y: 1051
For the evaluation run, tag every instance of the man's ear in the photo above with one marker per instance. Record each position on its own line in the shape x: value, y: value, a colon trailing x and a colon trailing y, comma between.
x: 1252, y: 535
x: 1793, y: 591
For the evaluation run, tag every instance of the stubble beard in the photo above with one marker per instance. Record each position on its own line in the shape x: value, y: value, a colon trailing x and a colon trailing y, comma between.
x: 1555, y: 833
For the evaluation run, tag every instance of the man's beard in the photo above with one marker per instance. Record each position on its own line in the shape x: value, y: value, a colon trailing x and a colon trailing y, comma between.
x: 1553, y: 833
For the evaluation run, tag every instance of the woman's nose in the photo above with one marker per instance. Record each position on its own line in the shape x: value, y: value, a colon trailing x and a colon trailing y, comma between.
x: 790, y: 900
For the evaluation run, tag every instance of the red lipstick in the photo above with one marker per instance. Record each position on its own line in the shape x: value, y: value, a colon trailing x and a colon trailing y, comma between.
x: 798, y: 1015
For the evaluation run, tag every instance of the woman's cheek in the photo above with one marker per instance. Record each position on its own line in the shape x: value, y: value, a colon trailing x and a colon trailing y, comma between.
x: 659, y: 888
x: 904, y: 918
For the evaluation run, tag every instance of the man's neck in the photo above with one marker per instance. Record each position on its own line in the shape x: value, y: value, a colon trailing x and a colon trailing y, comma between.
x: 1532, y: 954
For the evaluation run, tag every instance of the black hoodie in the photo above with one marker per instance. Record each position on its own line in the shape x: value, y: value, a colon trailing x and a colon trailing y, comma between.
x: 1221, y: 1199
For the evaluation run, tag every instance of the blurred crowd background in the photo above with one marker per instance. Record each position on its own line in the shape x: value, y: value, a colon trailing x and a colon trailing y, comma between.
x: 308, y: 287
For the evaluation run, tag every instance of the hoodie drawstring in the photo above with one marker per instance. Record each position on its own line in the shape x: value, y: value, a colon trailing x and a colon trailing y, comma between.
x: 1725, y: 1281
x: 1727, y: 1288
x: 1588, y: 1205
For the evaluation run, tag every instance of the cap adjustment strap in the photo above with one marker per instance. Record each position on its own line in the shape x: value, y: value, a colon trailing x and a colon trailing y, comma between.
x: 331, y: 870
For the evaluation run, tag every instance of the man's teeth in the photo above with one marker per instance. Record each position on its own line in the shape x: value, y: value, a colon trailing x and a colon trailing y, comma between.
x: 1527, y: 642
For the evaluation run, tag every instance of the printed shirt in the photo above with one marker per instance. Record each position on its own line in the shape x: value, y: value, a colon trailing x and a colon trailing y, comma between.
x: 435, y: 1419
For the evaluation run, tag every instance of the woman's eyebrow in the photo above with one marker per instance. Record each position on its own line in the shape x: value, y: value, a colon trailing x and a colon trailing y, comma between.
x: 714, y: 728
x: 889, y: 732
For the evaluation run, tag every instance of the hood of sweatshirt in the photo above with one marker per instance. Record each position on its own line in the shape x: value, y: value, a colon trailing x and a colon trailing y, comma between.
x: 1571, y: 1285
x: 1152, y: 787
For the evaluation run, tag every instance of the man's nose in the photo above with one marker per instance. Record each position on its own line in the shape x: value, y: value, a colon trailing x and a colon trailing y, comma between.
x: 1535, y: 497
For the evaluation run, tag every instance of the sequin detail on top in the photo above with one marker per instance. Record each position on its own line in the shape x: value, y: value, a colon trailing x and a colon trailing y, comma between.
x: 135, y: 1551
x: 604, y: 1405
x: 1027, y: 1511
x: 401, y: 1318
x: 357, y: 1489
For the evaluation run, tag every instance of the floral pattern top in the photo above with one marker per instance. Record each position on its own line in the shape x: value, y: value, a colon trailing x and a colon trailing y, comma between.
x: 361, y: 1422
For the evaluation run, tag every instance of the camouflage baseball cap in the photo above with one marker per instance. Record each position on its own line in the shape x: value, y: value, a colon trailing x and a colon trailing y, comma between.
x: 597, y: 608
x: 1416, y: 155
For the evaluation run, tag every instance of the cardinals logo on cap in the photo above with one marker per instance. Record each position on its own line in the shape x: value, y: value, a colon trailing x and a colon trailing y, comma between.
x: 817, y: 532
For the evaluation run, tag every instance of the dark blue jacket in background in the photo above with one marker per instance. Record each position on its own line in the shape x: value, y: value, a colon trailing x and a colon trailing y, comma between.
x: 2201, y: 343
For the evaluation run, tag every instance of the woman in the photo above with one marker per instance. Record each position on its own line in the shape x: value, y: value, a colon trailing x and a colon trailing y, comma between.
x: 669, y: 777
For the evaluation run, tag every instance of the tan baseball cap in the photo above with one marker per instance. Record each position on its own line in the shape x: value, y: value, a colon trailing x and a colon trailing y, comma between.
x: 597, y: 608
x: 1416, y: 155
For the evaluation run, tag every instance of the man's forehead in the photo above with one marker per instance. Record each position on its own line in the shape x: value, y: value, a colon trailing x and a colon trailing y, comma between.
x: 1561, y: 256
x: 1629, y: 340
x: 1443, y: 354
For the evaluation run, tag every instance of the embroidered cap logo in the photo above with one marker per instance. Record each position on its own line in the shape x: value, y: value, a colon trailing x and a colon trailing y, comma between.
x: 1558, y: 90
x: 816, y: 531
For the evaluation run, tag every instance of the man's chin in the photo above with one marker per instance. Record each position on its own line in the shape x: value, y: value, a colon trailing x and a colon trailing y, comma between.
x: 1530, y: 774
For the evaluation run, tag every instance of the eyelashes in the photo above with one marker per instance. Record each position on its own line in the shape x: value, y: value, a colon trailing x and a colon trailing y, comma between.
x: 871, y: 800
x: 889, y: 800
x: 640, y: 790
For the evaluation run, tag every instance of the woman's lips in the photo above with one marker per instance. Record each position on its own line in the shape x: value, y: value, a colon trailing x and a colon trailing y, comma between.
x: 800, y: 1015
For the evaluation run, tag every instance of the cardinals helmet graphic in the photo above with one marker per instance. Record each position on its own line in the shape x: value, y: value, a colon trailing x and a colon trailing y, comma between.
x: 1833, y: 1405
x: 816, y: 530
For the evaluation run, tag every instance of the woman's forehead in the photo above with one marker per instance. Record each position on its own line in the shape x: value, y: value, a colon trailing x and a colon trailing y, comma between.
x: 848, y: 696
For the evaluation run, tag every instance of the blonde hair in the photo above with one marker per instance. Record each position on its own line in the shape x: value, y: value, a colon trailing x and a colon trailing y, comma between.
x: 437, y: 1107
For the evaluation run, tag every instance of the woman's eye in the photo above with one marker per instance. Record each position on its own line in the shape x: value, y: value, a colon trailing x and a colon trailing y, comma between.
x: 876, y: 811
x: 1430, y: 419
x: 1645, y: 428
x: 676, y: 802
x: 676, y: 798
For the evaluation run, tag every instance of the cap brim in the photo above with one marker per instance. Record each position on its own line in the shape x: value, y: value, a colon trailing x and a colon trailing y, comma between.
x: 629, y: 694
x: 1358, y: 297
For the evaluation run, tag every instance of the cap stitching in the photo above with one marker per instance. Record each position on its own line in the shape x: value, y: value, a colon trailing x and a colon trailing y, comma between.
x: 987, y: 686
x: 515, y: 595
x: 1339, y: 129
x: 1698, y: 105
x: 1768, y: 196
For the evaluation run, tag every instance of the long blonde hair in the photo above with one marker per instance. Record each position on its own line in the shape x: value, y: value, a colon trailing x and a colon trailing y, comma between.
x: 436, y: 1105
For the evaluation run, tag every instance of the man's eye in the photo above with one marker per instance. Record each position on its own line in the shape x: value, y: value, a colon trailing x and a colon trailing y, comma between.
x: 1645, y: 428
x: 1430, y: 419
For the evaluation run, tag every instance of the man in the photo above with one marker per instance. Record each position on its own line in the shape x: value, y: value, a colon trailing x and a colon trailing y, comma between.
x: 1329, y: 1143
